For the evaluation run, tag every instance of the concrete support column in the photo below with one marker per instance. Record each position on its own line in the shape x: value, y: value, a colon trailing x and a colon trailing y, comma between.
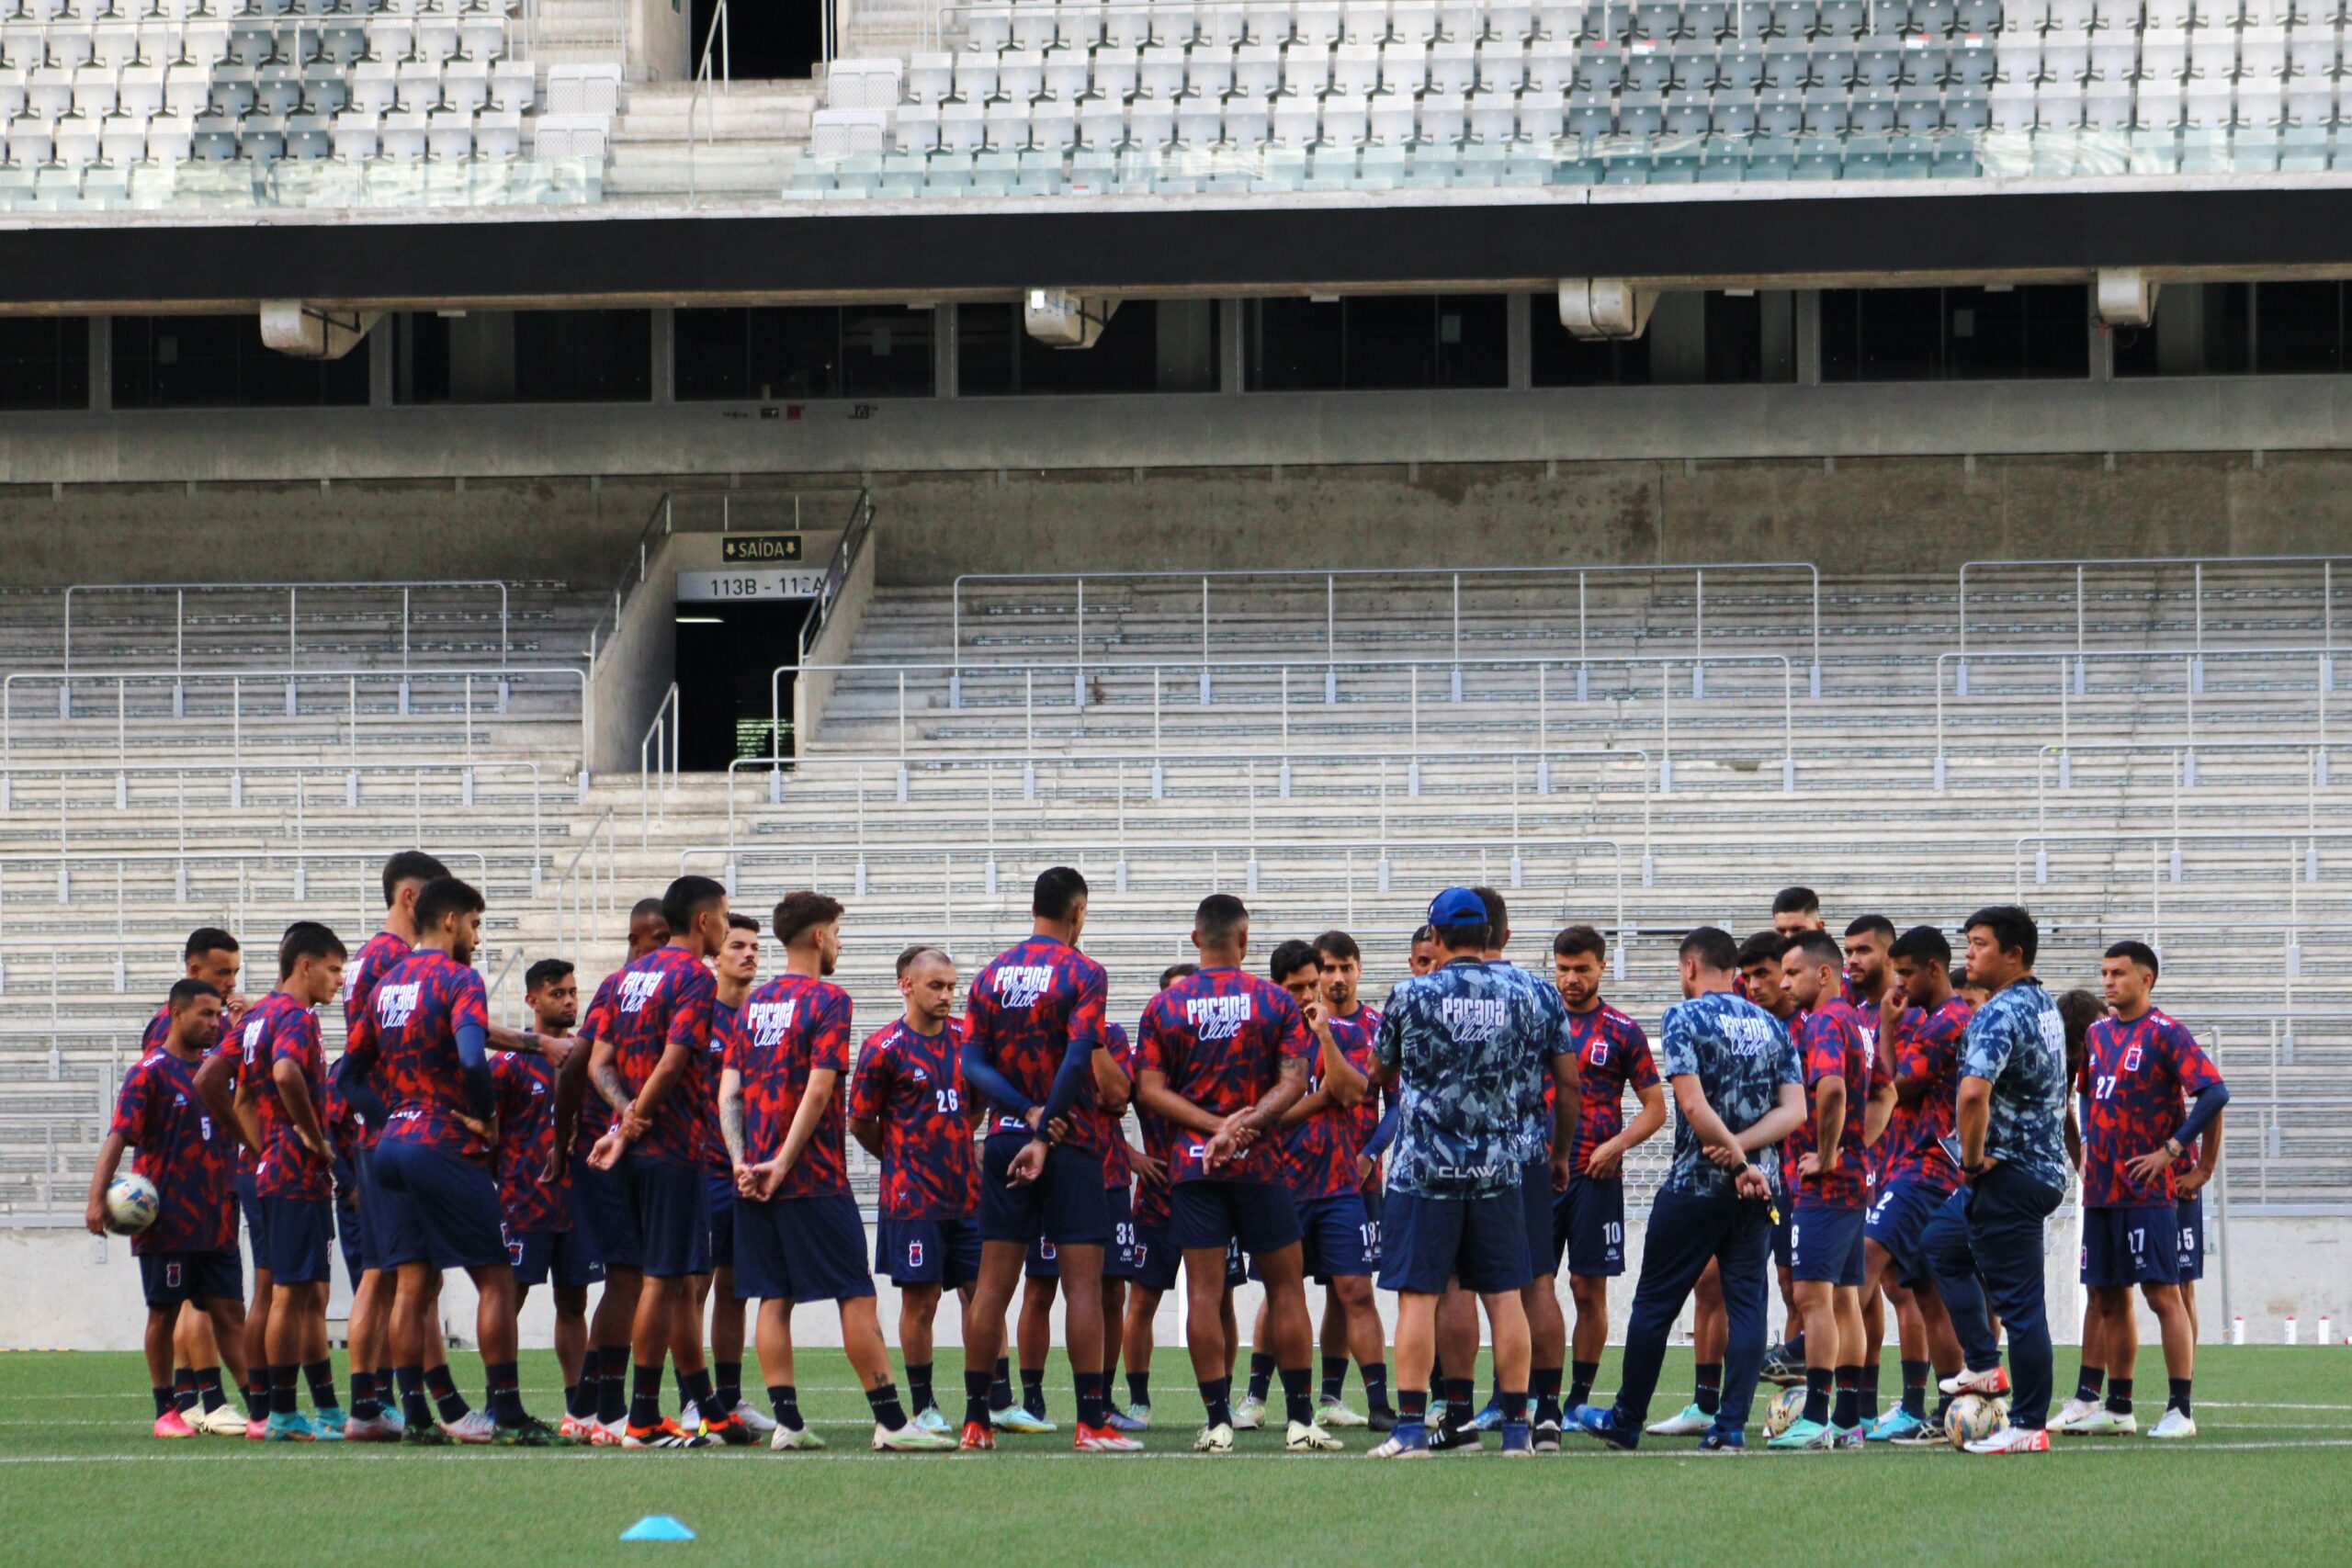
x: 665, y: 355
x: 1519, y: 337
x: 101, y: 364
x: 1808, y: 337
x: 945, y: 362
x: 1231, y: 346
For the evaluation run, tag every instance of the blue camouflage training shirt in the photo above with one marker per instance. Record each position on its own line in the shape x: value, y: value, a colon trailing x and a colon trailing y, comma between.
x: 2017, y: 1042
x: 1741, y: 1056
x: 1468, y: 1044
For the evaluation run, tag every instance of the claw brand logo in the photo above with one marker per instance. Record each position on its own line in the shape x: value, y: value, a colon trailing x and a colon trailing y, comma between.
x: 1217, y: 1018
x: 394, y: 1003
x: 770, y: 1020
x: 1474, y: 1018
x: 640, y: 987
x: 1018, y: 986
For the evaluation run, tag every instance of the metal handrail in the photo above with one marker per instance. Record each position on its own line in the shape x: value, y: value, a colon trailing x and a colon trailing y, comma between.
x: 2073, y: 678
x: 576, y: 883
x: 1208, y: 671
x: 845, y: 552
x: 1156, y: 780
x: 661, y: 735
x: 2197, y: 563
x: 720, y: 34
x: 502, y: 680
x: 1330, y: 577
x: 180, y: 591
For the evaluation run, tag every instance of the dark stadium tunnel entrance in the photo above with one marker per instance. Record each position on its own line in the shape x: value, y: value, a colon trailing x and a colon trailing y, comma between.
x: 727, y: 653
x: 765, y: 39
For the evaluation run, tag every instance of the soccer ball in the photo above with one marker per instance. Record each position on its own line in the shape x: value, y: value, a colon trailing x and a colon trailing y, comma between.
x: 130, y: 1204
x: 1972, y: 1418
x: 1782, y: 1411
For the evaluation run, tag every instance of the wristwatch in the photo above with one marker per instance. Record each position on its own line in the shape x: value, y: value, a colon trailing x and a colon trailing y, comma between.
x: 2172, y: 1147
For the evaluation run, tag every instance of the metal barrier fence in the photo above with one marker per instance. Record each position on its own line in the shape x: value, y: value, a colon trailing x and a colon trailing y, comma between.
x: 293, y: 591
x: 1516, y: 577
x: 1526, y: 681
x: 2083, y: 566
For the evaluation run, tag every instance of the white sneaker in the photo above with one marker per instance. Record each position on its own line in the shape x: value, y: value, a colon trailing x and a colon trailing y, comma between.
x: 786, y: 1439
x: 1305, y: 1438
x: 2175, y: 1424
x: 910, y: 1438
x: 1332, y: 1413
x: 1691, y: 1423
x: 614, y: 1430
x: 473, y: 1426
x: 225, y: 1421
x: 2013, y: 1440
x: 1216, y: 1440
x: 2106, y: 1423
x: 1993, y: 1380
x: 2078, y: 1411
x: 751, y: 1416
x: 1248, y: 1415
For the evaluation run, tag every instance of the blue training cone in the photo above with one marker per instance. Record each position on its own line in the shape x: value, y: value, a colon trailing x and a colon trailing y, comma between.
x: 657, y: 1527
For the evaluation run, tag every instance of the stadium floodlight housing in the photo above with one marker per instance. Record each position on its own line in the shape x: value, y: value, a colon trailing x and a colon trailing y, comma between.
x: 1604, y: 309
x: 2127, y: 298
x: 303, y: 331
x: 1065, y: 318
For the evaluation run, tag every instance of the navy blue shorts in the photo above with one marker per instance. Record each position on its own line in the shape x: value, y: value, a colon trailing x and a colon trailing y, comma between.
x: 173, y: 1278
x: 928, y: 1252
x: 2131, y: 1246
x: 671, y: 1212
x: 437, y: 1208
x: 1481, y: 1240
x: 564, y: 1257
x: 1340, y: 1241
x: 1783, y: 1242
x: 2192, y: 1237
x: 1064, y: 1205
x: 296, y: 1240
x: 1589, y: 1228
x: 371, y: 1215
x: 1897, y: 1220
x: 1259, y: 1216
x: 346, y: 1238
x: 1156, y: 1259
x: 718, y: 1202
x: 1045, y: 1261
x: 800, y: 1249
x: 600, y: 1203
x: 1535, y: 1204
x: 1238, y: 1263
x: 1119, y: 1257
x: 1825, y: 1243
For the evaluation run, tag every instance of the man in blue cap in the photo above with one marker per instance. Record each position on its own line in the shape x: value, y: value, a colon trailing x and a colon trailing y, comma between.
x: 1466, y: 1047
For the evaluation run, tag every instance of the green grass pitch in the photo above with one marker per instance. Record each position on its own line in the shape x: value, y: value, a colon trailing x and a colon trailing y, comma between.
x: 2268, y: 1480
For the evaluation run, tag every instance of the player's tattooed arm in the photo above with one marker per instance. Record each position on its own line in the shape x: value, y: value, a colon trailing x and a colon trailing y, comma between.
x: 730, y: 1120
x: 603, y: 1071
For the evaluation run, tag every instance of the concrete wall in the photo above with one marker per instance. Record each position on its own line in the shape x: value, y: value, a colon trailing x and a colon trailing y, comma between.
x: 634, y: 667
x: 1893, y: 514
x: 811, y: 692
x: 72, y: 1291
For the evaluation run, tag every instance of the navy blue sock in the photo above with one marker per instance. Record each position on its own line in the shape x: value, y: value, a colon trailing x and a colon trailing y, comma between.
x: 726, y: 1382
x: 1849, y: 1396
x: 889, y: 1415
x: 1817, y: 1382
x: 207, y: 1389
x: 319, y: 1375
x: 1707, y: 1389
x: 1262, y: 1375
x: 1581, y: 1374
x: 183, y: 1391
x: 444, y: 1390
x: 1093, y: 1395
x: 976, y: 1397
x: 2086, y: 1383
x: 163, y: 1400
x: 413, y: 1410
x: 1001, y: 1387
x: 1138, y: 1387
x: 917, y: 1385
x: 1545, y: 1387
x: 1375, y: 1383
x: 2178, y: 1398
x: 645, y: 1395
x: 1915, y: 1389
x: 505, y: 1394
x: 1033, y: 1392
x: 281, y: 1391
x: 1298, y: 1402
x: 1335, y: 1376
x: 1866, y: 1392
x: 1217, y: 1395
x: 785, y: 1400
x: 2118, y: 1395
x: 1457, y: 1399
x: 1412, y: 1415
x: 362, y: 1396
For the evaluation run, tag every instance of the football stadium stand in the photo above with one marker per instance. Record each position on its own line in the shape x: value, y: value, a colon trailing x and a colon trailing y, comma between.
x: 2134, y: 750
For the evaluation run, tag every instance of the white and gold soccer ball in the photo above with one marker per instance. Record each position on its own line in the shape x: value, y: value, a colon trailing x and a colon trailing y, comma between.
x: 130, y: 1203
x: 1781, y: 1413
x: 1972, y: 1418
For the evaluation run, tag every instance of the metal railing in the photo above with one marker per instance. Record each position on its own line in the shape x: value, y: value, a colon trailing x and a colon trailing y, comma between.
x: 293, y: 591
x: 2196, y: 564
x: 2074, y: 680
x: 497, y: 686
x: 1330, y: 579
x: 583, y: 888
x: 2183, y: 755
x: 846, y: 553
x: 1087, y: 687
x: 231, y: 790
x: 2167, y: 867
x: 719, y: 38
x: 1154, y: 786
x: 657, y: 764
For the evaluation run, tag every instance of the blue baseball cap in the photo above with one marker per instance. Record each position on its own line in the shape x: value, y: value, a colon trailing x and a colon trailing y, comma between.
x: 1457, y: 907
